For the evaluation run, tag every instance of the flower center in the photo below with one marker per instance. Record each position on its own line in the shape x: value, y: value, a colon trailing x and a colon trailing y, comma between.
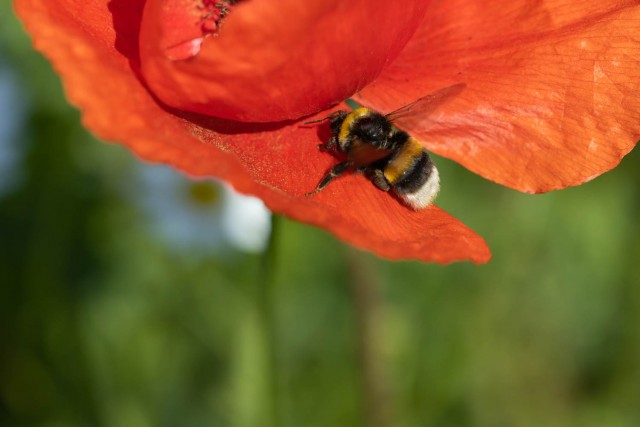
x: 214, y: 12
x: 204, y: 193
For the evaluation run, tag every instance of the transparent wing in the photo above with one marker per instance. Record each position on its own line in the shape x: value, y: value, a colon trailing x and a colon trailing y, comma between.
x: 426, y: 105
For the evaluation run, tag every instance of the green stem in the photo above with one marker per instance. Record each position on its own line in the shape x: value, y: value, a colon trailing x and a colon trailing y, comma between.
x: 377, y: 405
x: 267, y: 324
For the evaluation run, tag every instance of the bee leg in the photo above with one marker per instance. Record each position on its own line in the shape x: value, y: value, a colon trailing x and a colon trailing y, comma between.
x: 377, y: 177
x: 331, y: 145
x: 335, y: 172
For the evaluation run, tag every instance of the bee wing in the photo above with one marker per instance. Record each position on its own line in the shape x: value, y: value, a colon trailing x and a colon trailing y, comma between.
x: 363, y: 154
x: 426, y: 105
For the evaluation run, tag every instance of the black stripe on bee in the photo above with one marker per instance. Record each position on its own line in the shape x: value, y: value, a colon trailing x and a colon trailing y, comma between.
x: 415, y: 175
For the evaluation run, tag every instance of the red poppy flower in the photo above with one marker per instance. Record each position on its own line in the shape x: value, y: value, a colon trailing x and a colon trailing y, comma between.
x: 220, y: 89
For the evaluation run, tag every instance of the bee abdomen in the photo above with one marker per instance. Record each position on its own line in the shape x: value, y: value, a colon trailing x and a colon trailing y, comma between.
x: 404, y: 161
x: 416, y: 174
x: 413, y: 176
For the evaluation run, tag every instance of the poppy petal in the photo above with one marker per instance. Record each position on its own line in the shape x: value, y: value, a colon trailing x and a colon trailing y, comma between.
x: 270, y: 60
x: 277, y: 162
x: 553, y: 87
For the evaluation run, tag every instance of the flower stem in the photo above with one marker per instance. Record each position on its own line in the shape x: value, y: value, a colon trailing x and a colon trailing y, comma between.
x: 267, y: 324
x: 365, y: 288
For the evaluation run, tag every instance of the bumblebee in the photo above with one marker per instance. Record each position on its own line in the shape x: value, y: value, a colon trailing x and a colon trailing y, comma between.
x: 389, y: 157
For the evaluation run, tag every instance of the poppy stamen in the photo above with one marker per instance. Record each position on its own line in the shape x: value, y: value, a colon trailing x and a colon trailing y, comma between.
x: 214, y: 13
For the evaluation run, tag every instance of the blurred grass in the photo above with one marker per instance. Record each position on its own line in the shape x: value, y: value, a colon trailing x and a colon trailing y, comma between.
x: 102, y: 324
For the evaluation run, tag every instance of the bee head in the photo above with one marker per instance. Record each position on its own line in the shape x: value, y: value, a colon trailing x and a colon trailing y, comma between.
x: 335, y: 120
x: 374, y: 129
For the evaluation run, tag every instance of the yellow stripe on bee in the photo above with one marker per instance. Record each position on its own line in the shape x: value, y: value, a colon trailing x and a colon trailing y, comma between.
x: 403, y: 160
x: 345, y: 129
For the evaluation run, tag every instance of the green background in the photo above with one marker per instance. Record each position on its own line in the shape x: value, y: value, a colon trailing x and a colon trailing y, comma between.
x: 103, y: 322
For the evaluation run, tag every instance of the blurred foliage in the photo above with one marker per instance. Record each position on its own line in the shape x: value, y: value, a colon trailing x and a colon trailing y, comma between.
x: 103, y: 324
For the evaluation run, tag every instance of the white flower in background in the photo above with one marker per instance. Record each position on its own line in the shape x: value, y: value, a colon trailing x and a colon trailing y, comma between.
x: 203, y: 215
x: 12, y: 116
x: 247, y: 222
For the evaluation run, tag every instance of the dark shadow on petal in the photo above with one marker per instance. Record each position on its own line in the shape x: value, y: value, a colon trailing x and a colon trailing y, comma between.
x: 223, y: 126
x: 127, y: 18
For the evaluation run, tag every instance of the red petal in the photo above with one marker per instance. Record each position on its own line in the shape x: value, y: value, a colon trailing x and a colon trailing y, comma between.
x: 278, y: 164
x: 553, y: 96
x: 271, y: 60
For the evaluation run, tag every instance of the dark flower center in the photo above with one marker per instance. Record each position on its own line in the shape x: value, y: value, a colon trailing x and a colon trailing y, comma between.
x: 204, y: 193
x: 214, y: 12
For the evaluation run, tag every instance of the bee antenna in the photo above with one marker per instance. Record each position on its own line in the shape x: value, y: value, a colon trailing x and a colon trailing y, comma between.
x: 316, y: 121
